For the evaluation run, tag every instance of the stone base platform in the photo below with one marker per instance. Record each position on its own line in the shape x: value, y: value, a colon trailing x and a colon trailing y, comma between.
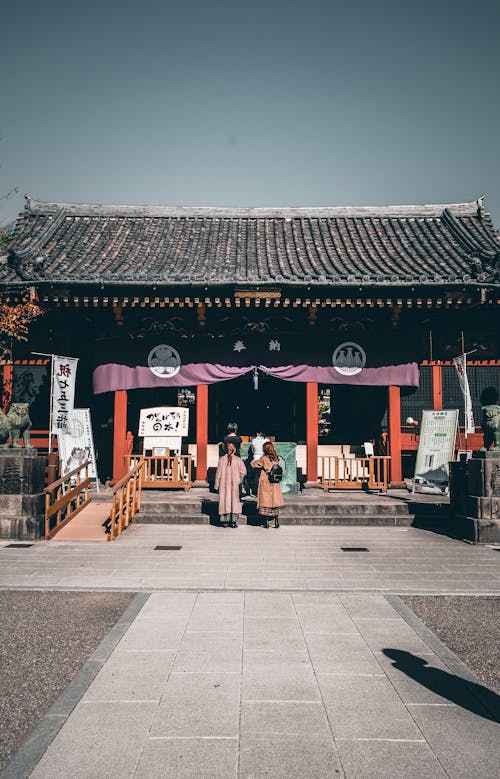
x: 475, y: 498
x: 22, y: 502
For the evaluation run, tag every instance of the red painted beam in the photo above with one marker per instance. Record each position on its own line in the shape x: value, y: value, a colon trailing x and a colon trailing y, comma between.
x: 312, y: 420
x: 394, y: 400
x: 437, y: 387
x: 201, y: 431
x: 7, y: 387
x: 119, y: 434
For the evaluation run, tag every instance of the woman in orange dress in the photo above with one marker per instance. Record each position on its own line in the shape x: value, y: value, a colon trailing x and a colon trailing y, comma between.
x: 269, y: 496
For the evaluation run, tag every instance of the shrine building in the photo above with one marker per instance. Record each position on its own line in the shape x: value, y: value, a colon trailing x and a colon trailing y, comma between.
x: 327, y: 327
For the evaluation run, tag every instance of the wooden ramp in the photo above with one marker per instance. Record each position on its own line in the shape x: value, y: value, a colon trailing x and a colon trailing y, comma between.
x: 87, y: 525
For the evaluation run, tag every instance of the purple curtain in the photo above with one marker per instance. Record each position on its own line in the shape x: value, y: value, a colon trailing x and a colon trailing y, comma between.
x: 389, y: 375
x: 111, y: 377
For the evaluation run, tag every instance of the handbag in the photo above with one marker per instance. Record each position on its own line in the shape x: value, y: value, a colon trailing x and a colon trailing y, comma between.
x: 275, y: 475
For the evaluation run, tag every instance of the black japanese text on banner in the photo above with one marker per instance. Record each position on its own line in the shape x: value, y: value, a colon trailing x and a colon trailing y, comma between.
x: 63, y: 391
x: 461, y: 366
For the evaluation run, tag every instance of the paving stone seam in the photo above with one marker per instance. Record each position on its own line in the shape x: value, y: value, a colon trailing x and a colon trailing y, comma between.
x: 449, y: 658
x: 165, y: 683
x: 29, y: 754
x: 394, y: 740
x: 322, y: 700
x: 283, y: 700
x: 183, y: 588
x: 240, y: 712
x: 192, y: 738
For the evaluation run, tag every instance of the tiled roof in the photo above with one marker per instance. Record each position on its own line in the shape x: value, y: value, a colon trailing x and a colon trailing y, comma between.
x: 431, y: 244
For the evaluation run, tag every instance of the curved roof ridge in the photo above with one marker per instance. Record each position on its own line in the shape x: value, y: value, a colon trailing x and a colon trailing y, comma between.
x: 41, y: 239
x: 88, y: 209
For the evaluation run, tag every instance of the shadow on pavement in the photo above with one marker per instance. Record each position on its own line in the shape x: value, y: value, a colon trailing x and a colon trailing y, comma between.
x: 466, y: 694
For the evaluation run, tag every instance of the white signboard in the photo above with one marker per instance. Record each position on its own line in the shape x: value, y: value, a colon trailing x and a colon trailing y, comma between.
x: 156, y: 443
x: 164, y: 421
x: 77, y: 444
x: 63, y: 391
x: 436, y: 448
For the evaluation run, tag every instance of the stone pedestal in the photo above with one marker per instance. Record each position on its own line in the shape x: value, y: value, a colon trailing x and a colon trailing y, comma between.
x: 475, y: 497
x: 22, y: 502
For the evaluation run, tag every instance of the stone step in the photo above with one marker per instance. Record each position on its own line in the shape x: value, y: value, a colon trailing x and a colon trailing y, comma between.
x: 362, y: 520
x: 183, y: 519
x: 289, y: 509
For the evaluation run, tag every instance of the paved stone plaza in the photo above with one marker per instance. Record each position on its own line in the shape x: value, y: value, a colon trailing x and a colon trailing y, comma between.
x: 253, y: 653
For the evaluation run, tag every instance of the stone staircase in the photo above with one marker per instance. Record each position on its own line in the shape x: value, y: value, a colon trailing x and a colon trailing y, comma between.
x: 311, y: 508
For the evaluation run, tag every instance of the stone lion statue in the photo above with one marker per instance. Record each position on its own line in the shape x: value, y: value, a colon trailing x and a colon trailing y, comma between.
x: 491, y: 427
x: 15, y: 424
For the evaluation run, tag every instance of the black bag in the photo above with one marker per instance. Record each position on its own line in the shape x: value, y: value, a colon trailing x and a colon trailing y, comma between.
x: 275, y: 475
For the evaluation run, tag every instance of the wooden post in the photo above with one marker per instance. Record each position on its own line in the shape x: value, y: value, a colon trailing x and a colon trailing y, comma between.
x: 312, y: 419
x: 7, y: 377
x: 119, y: 434
x: 437, y: 387
x: 394, y: 400
x: 201, y: 431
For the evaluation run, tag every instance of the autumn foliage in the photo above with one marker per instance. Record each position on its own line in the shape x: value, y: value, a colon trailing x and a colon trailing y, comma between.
x: 14, y: 323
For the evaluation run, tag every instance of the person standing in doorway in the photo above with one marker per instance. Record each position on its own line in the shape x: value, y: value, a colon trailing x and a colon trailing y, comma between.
x: 269, y: 496
x: 230, y: 471
x: 255, y: 452
x: 231, y: 437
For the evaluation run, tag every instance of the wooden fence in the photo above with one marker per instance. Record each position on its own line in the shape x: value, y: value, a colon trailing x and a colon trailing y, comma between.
x: 164, y: 471
x: 355, y: 473
x: 65, y: 497
x: 126, y: 500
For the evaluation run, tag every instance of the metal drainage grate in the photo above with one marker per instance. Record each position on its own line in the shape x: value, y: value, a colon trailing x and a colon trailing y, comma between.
x: 18, y: 546
x: 354, y: 549
x: 168, y: 548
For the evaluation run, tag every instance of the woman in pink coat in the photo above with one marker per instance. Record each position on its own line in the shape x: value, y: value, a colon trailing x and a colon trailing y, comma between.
x: 230, y: 471
x: 269, y: 496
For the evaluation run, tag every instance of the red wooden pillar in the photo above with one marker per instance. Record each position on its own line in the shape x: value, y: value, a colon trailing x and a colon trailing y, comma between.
x: 312, y: 419
x: 395, y: 436
x: 119, y: 434
x: 201, y: 431
x: 437, y: 387
x: 7, y: 387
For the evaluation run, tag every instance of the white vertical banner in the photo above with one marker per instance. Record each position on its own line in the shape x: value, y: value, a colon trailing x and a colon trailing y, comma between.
x: 460, y: 364
x: 76, y: 443
x: 63, y: 391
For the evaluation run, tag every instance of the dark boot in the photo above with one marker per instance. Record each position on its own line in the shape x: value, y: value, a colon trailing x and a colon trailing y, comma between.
x: 265, y: 522
x: 276, y: 522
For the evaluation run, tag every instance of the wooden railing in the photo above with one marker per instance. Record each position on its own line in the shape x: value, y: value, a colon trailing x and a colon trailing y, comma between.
x: 65, y: 497
x: 126, y: 501
x: 355, y: 473
x: 164, y: 471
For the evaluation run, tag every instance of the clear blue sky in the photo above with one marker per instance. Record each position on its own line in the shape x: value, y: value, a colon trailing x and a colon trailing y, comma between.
x: 220, y: 102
